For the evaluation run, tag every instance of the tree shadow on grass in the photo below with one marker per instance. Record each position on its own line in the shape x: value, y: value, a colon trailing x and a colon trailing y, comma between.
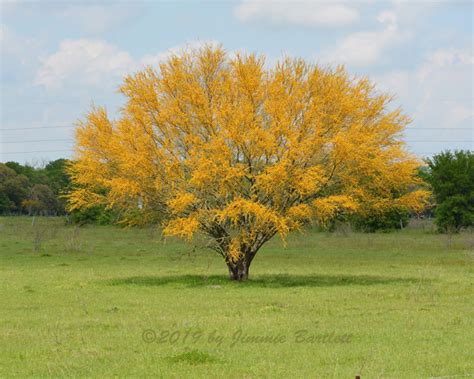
x: 263, y: 281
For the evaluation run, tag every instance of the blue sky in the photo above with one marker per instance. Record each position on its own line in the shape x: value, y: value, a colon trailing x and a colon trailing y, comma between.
x: 58, y: 58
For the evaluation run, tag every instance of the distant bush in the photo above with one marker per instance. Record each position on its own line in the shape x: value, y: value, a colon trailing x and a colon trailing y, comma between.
x: 390, y: 220
x: 454, y: 213
x: 95, y: 215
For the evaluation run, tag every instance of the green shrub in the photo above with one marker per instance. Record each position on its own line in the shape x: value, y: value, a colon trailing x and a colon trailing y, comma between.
x: 98, y: 215
x: 451, y: 176
x: 454, y: 213
x: 393, y: 219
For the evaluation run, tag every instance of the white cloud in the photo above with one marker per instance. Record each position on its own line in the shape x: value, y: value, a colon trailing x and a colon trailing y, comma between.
x: 446, y: 58
x: 367, y: 48
x: 447, y: 80
x: 307, y: 13
x: 93, y: 17
x: 90, y: 62
x: 12, y: 44
x: 156, y: 59
x: 8, y: 41
x: 99, y: 18
x: 85, y: 61
x: 9, y: 7
x: 439, y: 93
x: 460, y: 113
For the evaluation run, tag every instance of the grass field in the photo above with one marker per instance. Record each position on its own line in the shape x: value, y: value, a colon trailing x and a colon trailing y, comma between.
x: 106, y: 302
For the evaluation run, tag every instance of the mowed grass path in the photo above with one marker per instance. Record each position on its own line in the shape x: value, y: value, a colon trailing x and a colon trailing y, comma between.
x: 101, y: 301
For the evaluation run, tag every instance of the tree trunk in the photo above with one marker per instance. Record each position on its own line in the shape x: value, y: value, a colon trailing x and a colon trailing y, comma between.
x: 240, y: 270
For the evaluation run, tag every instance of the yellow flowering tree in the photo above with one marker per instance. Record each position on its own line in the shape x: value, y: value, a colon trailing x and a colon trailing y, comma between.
x: 224, y: 146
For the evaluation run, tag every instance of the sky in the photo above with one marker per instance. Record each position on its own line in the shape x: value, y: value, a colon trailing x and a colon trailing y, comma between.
x: 59, y: 58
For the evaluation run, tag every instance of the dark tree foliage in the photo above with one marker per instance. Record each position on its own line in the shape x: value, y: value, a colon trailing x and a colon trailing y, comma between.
x: 389, y: 220
x: 58, y: 179
x: 29, y: 190
x: 95, y: 215
x: 34, y: 175
x: 41, y: 200
x: 25, y: 189
x: 451, y: 176
x: 13, y: 190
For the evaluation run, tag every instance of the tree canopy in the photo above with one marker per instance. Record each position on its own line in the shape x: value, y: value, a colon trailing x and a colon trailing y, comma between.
x: 25, y: 189
x: 225, y: 146
x: 13, y: 189
x: 451, y: 176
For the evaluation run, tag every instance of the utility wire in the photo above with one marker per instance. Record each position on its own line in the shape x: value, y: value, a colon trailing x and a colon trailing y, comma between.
x: 73, y: 126
x: 72, y: 140
x: 37, y: 151
x: 40, y: 140
x: 69, y: 150
x: 38, y: 127
x: 453, y: 128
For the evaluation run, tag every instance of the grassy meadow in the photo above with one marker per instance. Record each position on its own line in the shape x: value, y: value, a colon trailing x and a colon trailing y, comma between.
x: 101, y: 301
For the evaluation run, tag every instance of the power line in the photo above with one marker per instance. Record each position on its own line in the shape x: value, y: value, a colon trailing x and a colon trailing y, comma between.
x: 73, y: 126
x: 445, y: 128
x: 71, y: 140
x: 37, y: 151
x: 70, y: 151
x: 40, y: 140
x: 434, y: 141
x: 39, y: 127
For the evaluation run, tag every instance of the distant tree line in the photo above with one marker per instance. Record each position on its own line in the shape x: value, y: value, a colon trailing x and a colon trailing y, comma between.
x: 28, y: 190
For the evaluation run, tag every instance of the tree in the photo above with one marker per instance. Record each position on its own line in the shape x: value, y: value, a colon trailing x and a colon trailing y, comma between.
x: 34, y: 175
x: 41, y: 200
x: 223, y: 146
x: 31, y: 189
x: 451, y: 176
x: 13, y: 189
x: 58, y: 181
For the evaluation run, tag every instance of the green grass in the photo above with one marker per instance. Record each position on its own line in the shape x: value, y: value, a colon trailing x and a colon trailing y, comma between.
x: 108, y: 302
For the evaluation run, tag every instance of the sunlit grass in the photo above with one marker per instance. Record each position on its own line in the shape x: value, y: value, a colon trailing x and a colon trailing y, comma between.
x: 105, y: 301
